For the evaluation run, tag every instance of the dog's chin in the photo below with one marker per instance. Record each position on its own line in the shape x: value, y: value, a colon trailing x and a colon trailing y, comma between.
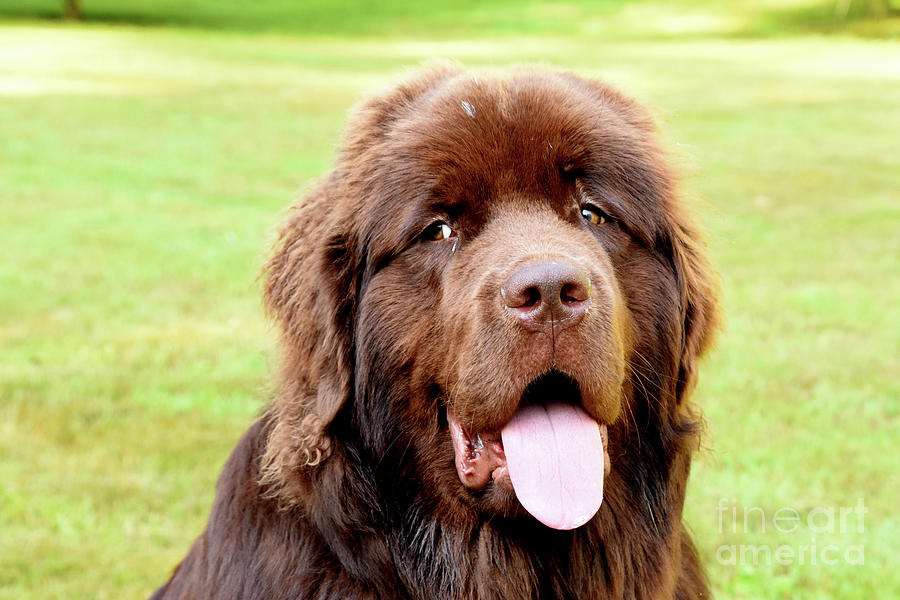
x: 498, y: 498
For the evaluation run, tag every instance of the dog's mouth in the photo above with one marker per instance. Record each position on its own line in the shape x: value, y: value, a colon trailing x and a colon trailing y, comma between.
x: 551, y: 454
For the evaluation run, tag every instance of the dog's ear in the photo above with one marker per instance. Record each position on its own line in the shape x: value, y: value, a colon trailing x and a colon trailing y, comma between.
x: 376, y: 115
x: 699, y: 300
x: 311, y: 287
x: 310, y: 290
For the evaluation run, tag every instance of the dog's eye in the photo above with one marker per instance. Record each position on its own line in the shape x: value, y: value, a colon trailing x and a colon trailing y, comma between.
x: 594, y: 215
x: 437, y: 231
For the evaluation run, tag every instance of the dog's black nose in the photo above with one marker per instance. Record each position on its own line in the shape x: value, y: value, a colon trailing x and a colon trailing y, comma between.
x: 546, y: 295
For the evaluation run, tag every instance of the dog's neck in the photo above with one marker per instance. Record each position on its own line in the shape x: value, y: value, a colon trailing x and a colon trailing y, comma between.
x: 410, y: 543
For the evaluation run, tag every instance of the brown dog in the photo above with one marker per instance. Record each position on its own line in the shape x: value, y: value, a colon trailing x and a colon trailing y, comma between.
x: 491, y: 312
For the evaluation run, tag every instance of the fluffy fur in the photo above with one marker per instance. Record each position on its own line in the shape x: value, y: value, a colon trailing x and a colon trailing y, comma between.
x: 346, y: 486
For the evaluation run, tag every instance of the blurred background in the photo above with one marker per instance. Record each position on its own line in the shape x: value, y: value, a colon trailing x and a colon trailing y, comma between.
x: 148, y: 149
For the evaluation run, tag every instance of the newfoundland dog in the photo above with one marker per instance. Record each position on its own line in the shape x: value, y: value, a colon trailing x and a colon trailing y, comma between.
x: 491, y: 312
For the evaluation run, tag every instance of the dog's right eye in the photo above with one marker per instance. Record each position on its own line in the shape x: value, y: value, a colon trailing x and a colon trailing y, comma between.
x: 437, y: 231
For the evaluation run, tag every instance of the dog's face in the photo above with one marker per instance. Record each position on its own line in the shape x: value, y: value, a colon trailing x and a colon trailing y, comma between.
x: 493, y: 269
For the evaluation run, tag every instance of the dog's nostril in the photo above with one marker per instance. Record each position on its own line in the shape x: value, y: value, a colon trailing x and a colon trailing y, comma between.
x: 574, y: 292
x: 521, y: 295
x: 531, y: 297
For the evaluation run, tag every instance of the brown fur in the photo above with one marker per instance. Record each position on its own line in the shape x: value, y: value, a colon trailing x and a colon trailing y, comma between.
x: 346, y: 487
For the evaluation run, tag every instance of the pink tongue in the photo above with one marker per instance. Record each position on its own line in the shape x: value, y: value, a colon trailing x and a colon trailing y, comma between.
x: 554, y: 454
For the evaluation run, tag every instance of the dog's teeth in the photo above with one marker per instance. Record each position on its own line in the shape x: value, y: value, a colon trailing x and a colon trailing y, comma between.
x: 478, y: 444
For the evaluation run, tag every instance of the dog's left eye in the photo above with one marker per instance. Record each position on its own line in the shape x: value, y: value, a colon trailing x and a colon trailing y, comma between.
x: 437, y: 231
x: 594, y: 215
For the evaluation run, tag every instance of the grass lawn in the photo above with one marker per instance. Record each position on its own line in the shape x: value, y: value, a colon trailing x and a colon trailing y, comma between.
x: 142, y: 170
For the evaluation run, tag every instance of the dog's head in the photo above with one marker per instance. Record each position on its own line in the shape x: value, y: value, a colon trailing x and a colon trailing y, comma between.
x: 496, y: 276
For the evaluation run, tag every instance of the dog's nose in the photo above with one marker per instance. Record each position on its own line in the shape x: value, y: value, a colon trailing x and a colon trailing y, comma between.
x: 545, y: 295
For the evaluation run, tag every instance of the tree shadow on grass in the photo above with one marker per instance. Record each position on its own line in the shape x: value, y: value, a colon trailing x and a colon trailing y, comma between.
x: 459, y: 18
x: 12, y: 13
x: 308, y: 17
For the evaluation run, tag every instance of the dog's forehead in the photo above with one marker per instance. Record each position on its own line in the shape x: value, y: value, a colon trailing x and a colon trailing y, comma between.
x: 499, y: 99
x: 517, y: 133
x: 474, y: 140
x: 505, y: 121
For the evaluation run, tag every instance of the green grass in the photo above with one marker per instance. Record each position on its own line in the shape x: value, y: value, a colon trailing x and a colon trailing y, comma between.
x: 619, y: 19
x: 142, y: 170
